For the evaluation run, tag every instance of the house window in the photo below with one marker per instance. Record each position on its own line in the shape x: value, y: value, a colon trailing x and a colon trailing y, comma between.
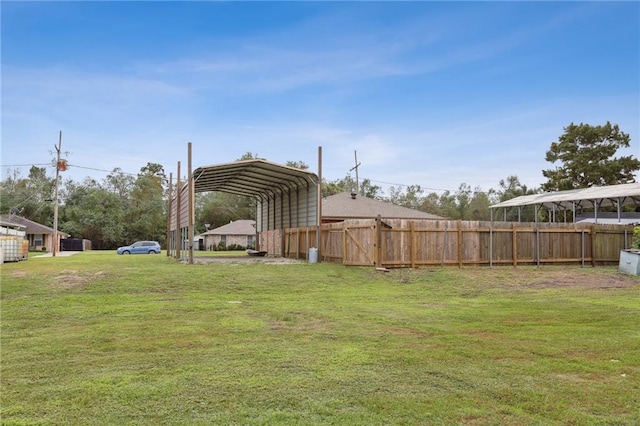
x: 38, y: 240
x: 250, y: 241
x: 223, y: 239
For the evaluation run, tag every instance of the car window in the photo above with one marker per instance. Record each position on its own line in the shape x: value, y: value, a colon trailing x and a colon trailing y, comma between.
x: 137, y: 244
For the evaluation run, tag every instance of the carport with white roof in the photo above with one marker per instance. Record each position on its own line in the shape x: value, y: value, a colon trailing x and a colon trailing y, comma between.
x: 576, y: 200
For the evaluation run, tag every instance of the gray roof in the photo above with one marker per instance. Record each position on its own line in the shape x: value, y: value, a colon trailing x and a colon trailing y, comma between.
x: 343, y: 206
x: 32, y: 227
x: 12, y: 225
x: 628, y: 193
x: 238, y: 227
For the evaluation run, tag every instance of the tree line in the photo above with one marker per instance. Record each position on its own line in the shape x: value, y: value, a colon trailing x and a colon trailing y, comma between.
x: 123, y: 208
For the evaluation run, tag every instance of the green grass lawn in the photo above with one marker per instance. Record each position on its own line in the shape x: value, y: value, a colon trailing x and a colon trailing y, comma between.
x: 98, y: 338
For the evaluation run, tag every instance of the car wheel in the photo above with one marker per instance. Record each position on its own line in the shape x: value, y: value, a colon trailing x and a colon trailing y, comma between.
x: 126, y: 252
x: 153, y: 252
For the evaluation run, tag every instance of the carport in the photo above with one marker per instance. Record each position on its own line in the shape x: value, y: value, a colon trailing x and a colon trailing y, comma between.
x: 286, y: 197
x: 559, y: 203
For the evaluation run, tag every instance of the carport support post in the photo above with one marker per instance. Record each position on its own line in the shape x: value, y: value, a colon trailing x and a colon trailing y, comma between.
x: 169, y: 214
x: 178, y: 208
x: 319, y: 202
x: 190, y: 224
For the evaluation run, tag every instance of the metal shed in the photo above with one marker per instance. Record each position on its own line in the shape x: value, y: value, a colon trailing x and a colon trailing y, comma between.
x: 576, y: 200
x: 286, y: 197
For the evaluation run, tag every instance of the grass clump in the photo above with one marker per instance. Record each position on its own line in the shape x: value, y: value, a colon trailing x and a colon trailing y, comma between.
x: 98, y: 338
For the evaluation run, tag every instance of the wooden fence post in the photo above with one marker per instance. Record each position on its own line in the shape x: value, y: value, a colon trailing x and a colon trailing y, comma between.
x: 593, y: 245
x: 514, y: 244
x: 460, y: 239
x: 344, y: 242
x: 378, y: 243
x: 414, y: 243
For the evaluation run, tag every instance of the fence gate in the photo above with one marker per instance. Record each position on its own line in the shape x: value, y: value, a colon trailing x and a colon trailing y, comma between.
x: 359, y: 242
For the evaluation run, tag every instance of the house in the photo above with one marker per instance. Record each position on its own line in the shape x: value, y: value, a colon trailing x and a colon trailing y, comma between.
x: 240, y: 233
x: 339, y: 207
x: 40, y: 237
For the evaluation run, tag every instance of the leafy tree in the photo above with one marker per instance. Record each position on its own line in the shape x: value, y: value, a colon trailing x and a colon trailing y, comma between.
x: 298, y: 165
x: 120, y: 184
x: 587, y: 158
x: 30, y: 197
x: 411, y: 197
x: 348, y: 184
x: 465, y: 204
x: 370, y: 190
x: 93, y: 213
x: 478, y: 207
x: 249, y: 156
x: 220, y: 208
x: 145, y: 217
x: 512, y: 188
x: 12, y: 192
x: 431, y: 204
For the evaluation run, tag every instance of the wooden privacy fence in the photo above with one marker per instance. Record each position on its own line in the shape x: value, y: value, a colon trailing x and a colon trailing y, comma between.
x: 415, y: 243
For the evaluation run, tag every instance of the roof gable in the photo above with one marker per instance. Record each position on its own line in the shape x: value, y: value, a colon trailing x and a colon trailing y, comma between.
x: 238, y: 227
x: 344, y: 206
x: 32, y: 227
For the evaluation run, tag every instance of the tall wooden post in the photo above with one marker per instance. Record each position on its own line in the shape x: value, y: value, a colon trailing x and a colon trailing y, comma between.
x: 169, y: 214
x: 190, y: 223
x: 178, y: 208
x: 319, y: 202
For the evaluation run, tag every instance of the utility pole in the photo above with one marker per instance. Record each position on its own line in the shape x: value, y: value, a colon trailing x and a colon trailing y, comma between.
x: 55, y: 198
x: 356, y: 169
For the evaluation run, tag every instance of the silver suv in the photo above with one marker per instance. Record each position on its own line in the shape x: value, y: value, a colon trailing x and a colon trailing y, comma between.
x: 144, y: 247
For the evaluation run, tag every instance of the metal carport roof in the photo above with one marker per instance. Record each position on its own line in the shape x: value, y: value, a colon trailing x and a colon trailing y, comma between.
x: 254, y: 178
x: 611, y: 195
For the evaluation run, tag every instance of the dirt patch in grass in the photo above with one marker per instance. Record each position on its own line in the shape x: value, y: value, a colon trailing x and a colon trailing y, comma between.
x: 247, y: 259
x: 74, y: 279
x: 600, y: 281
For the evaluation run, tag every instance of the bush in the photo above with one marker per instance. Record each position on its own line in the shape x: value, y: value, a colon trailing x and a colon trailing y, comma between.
x: 636, y: 237
x: 222, y: 246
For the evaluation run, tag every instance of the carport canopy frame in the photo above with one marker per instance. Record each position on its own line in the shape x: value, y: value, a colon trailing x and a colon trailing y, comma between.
x: 255, y: 178
x: 598, y: 197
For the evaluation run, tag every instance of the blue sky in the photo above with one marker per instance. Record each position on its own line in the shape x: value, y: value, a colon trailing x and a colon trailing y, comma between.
x: 428, y: 93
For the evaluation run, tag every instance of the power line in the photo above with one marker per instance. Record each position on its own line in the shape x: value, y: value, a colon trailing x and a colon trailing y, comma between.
x: 404, y: 184
x: 70, y: 165
x: 101, y: 170
x: 25, y: 165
